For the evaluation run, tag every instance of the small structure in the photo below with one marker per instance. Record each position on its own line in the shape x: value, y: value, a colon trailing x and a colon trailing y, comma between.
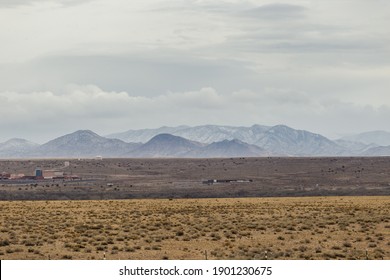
x: 52, y: 174
x: 4, y: 176
x: 16, y: 176
x: 220, y: 181
x: 38, y: 172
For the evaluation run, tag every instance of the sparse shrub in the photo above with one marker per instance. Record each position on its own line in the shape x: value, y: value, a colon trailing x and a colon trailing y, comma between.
x: 347, y: 244
x: 67, y: 257
x: 4, y: 242
x: 302, y: 248
x: 100, y: 248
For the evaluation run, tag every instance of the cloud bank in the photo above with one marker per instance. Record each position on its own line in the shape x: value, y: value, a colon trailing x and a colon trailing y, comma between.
x: 317, y: 65
x: 44, y: 115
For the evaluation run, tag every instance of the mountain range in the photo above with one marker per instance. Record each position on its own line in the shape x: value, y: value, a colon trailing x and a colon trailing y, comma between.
x: 378, y: 137
x: 201, y: 141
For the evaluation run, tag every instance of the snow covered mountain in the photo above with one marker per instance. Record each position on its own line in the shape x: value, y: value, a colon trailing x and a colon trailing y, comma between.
x: 165, y: 145
x: 279, y: 139
x: 16, y: 147
x: 379, y: 138
x: 354, y: 148
x: 83, y: 143
x: 378, y: 151
x: 144, y: 135
x: 282, y: 139
x: 204, y: 134
x: 229, y: 148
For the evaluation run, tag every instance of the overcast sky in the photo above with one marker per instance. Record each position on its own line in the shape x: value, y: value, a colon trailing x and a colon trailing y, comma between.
x: 111, y: 66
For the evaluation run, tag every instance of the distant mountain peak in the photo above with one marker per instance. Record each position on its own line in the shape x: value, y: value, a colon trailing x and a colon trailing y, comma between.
x: 16, y: 147
x: 165, y: 137
x: 230, y: 148
x: 378, y: 137
x: 83, y: 143
x: 16, y: 141
x: 84, y: 132
x: 165, y: 145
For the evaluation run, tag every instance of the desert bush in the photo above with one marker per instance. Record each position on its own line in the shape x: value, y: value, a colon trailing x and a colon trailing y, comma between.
x: 4, y: 243
x: 347, y: 244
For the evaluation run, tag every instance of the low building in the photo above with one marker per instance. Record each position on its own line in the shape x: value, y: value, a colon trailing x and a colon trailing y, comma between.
x: 221, y: 181
x: 16, y: 176
x: 50, y: 174
x: 4, y: 176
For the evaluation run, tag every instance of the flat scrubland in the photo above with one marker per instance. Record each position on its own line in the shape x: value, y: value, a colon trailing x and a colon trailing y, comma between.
x: 182, y: 178
x: 229, y: 228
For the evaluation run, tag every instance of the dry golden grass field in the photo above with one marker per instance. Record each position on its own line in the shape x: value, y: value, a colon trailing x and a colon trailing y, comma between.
x: 229, y: 228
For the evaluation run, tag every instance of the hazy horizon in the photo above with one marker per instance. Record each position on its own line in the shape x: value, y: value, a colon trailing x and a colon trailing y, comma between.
x: 111, y: 66
x: 43, y: 141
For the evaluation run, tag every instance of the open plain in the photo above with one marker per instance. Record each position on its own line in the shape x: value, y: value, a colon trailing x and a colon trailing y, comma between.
x: 232, y: 208
x: 182, y: 178
x: 232, y: 228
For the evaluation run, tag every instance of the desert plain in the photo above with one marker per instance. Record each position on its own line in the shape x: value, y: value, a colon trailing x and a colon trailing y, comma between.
x: 264, y: 208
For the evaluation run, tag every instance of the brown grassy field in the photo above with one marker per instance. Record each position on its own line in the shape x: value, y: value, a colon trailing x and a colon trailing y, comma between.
x: 230, y: 228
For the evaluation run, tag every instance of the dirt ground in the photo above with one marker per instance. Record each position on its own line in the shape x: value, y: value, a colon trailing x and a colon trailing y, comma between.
x: 182, y: 178
x: 232, y: 228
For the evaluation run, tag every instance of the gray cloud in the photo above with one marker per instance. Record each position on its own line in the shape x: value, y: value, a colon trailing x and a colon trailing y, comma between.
x: 153, y: 63
x: 277, y: 11
x: 107, y: 111
x: 18, y: 3
x: 144, y: 73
